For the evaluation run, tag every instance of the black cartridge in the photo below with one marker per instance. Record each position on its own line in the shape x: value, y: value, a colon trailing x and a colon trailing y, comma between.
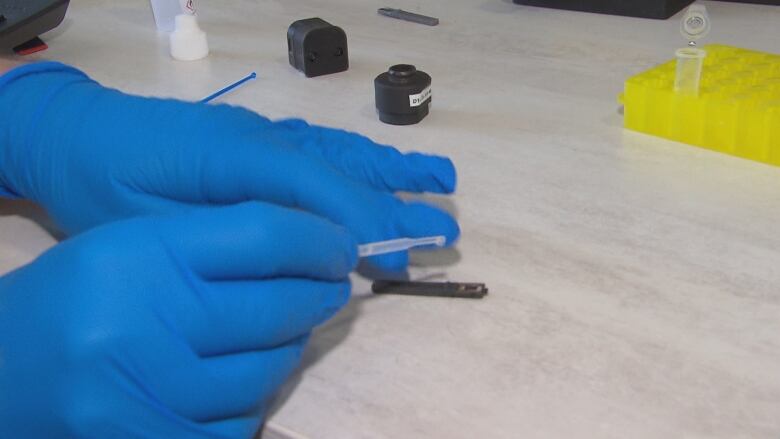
x: 403, y: 95
x: 316, y: 47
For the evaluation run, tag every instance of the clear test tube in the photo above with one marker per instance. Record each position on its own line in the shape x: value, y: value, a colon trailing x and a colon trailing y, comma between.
x: 165, y: 12
x: 689, y: 65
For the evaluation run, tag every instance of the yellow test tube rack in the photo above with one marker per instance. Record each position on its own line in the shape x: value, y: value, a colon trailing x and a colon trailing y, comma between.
x: 736, y: 111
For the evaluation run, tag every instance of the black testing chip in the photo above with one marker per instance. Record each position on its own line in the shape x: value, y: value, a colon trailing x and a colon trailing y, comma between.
x: 431, y: 289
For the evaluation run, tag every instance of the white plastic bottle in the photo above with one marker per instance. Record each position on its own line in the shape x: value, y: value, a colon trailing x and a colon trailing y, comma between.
x: 165, y: 12
x: 188, y: 41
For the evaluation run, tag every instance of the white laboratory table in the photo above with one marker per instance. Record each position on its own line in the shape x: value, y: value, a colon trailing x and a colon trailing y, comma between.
x: 634, y: 282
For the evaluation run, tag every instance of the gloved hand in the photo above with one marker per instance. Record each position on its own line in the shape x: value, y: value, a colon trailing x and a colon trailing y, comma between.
x: 177, y: 326
x: 91, y: 155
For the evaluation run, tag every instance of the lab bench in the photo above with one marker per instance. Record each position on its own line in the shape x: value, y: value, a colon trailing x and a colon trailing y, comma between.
x: 634, y: 281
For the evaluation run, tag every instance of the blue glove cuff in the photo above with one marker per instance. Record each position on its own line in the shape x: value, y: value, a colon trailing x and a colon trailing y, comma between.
x: 20, y: 103
x: 29, y: 69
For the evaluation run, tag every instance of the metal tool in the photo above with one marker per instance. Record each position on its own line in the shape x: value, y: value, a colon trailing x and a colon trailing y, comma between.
x: 431, y: 289
x: 408, y: 16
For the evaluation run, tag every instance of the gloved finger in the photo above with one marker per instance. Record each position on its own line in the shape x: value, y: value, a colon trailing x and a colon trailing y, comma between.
x: 240, y: 316
x: 238, y: 385
x: 415, y: 220
x: 277, y: 173
x: 243, y: 427
x: 293, y: 124
x: 418, y: 219
x: 383, y: 167
x: 256, y: 240
x: 369, y: 214
x: 147, y: 415
x: 205, y: 120
x: 382, y: 266
x: 152, y: 388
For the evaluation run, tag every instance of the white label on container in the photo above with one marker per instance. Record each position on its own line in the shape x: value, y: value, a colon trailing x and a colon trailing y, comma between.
x: 420, y: 98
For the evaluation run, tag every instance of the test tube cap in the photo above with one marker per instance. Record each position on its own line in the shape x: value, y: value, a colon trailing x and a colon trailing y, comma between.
x: 696, y: 23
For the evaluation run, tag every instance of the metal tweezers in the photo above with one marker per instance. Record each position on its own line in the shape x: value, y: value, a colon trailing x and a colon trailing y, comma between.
x: 408, y: 16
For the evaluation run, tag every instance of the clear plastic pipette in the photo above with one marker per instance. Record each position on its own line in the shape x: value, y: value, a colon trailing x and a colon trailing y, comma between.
x: 397, y: 245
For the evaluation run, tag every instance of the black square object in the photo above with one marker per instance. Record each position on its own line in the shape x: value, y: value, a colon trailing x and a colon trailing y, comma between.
x: 26, y: 19
x: 758, y: 2
x: 661, y: 9
x: 317, y: 47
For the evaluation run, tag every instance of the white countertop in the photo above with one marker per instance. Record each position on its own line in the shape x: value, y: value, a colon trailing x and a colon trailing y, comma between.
x: 634, y: 282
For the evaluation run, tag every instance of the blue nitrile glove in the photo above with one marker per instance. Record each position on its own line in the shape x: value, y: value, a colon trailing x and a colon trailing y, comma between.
x: 180, y: 326
x: 91, y: 155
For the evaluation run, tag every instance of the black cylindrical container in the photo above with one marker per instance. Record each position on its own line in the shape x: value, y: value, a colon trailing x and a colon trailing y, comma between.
x: 403, y: 95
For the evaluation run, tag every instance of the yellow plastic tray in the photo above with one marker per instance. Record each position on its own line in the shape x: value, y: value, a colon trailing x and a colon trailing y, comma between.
x: 737, y: 110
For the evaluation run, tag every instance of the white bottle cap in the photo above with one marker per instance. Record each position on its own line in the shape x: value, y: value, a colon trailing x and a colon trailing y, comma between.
x: 188, y: 41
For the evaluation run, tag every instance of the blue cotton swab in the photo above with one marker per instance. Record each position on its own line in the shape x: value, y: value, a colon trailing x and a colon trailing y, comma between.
x: 229, y: 88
